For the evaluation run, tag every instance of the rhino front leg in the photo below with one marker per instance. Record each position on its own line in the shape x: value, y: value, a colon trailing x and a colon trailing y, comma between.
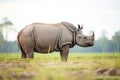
x: 64, y: 53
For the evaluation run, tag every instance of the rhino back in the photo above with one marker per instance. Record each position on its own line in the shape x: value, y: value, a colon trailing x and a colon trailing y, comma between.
x: 26, y: 32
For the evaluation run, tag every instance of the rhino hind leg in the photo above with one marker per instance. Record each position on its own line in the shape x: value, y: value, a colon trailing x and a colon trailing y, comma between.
x: 23, y: 55
x: 30, y: 54
x: 27, y: 54
x: 26, y: 48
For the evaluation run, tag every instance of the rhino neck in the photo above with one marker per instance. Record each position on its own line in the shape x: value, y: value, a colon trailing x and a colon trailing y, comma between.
x: 72, y: 29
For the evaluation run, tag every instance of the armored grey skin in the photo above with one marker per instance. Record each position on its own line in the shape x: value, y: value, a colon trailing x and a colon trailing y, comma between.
x: 46, y: 38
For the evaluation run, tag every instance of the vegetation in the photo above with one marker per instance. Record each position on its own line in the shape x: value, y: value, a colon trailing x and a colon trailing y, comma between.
x: 5, y: 45
x: 87, y: 66
x: 49, y: 67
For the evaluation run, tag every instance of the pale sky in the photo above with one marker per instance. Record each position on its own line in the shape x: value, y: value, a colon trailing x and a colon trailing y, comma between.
x: 95, y: 15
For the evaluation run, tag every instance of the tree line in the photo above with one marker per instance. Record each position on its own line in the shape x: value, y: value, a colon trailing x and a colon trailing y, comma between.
x: 7, y: 46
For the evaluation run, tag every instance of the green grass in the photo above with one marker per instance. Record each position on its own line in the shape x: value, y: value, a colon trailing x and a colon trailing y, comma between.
x: 49, y: 66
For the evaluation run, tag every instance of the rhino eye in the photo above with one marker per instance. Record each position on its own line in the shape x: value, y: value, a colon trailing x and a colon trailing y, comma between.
x: 85, y: 38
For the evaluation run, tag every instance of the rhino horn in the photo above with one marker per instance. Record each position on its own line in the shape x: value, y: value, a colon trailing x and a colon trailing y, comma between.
x: 93, y: 36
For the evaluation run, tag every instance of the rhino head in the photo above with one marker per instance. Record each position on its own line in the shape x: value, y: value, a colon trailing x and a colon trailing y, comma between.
x: 83, y: 40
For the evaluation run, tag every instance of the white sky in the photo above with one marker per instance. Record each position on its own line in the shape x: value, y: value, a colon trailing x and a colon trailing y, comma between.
x: 97, y: 15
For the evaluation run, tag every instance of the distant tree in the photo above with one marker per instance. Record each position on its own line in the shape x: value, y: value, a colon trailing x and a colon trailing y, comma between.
x: 6, y: 25
x: 106, y: 45
x: 102, y: 42
x: 1, y: 37
x: 1, y: 41
x: 5, y: 22
x: 116, y: 41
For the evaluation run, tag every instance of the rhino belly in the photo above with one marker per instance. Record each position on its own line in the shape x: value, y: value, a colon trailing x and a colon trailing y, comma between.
x: 46, y: 39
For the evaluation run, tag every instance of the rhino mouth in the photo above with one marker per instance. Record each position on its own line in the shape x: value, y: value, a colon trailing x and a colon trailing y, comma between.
x: 90, y: 44
x: 87, y: 44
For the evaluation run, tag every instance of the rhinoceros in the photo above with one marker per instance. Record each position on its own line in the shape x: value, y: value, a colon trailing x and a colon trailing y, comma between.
x: 46, y: 38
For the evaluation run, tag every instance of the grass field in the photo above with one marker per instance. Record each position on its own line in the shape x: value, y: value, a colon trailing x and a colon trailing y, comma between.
x: 86, y: 66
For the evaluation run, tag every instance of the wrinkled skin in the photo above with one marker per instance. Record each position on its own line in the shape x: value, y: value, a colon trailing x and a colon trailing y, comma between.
x: 81, y: 40
x: 46, y: 38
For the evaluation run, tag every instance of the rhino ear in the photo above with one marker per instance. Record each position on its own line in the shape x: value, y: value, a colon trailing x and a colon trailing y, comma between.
x: 80, y: 28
